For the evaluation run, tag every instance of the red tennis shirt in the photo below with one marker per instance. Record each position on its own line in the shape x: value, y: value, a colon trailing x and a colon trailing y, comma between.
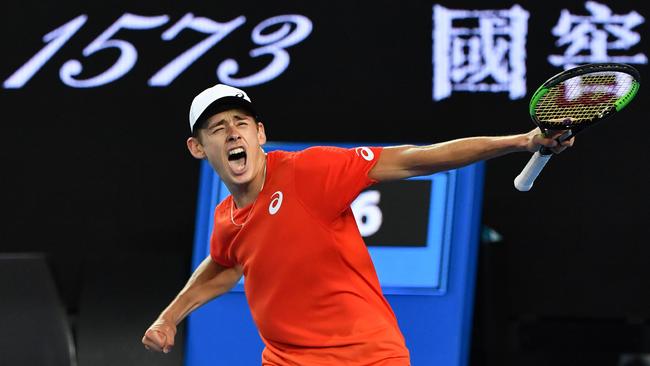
x: 309, y: 279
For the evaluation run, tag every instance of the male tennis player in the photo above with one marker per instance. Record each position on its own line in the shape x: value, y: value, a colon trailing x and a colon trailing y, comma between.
x: 288, y: 227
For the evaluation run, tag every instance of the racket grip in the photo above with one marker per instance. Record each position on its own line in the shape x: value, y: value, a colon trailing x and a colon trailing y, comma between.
x: 524, y: 181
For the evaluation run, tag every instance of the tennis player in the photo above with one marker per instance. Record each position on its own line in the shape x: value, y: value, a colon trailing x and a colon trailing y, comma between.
x: 288, y: 228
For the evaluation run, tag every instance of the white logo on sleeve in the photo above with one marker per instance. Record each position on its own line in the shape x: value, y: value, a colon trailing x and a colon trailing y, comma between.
x: 276, y: 202
x: 365, y: 153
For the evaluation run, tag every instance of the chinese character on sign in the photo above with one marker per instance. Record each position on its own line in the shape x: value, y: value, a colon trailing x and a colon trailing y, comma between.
x: 599, y: 37
x: 479, y: 51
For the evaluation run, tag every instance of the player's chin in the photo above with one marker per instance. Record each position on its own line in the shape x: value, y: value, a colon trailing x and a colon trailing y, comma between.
x: 244, y: 177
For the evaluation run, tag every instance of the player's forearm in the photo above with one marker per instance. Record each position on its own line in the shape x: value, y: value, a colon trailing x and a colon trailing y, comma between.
x: 458, y: 153
x: 208, y: 281
x: 407, y: 161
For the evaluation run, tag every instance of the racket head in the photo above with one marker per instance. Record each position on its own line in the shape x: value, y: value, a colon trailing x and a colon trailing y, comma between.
x: 584, y: 95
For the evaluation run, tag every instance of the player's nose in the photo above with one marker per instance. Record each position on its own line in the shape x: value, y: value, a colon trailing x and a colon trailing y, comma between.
x: 232, y: 135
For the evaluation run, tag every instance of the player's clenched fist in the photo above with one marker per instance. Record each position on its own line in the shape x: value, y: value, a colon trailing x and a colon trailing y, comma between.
x: 160, y: 336
x: 536, y: 140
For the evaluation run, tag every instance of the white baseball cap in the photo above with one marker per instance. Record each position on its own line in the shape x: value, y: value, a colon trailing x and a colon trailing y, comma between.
x: 217, y: 99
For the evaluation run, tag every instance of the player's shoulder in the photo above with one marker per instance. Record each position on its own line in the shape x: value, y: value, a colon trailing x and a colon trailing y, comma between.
x: 324, y: 154
x: 318, y: 152
x: 223, y: 207
x: 279, y: 158
x: 280, y: 155
x: 317, y: 157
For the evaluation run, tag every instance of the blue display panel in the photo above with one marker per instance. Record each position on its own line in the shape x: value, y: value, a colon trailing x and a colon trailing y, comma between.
x: 422, y: 234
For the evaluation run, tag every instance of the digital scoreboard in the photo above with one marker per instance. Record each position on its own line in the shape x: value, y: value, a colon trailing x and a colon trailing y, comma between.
x: 422, y: 235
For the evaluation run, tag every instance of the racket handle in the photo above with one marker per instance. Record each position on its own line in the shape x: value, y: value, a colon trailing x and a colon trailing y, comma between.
x: 526, y: 178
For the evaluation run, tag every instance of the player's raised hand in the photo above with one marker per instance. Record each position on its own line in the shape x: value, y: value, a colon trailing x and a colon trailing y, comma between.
x: 536, y: 140
x: 160, y: 336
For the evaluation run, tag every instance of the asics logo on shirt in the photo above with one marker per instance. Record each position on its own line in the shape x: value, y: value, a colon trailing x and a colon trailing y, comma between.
x: 365, y: 153
x: 276, y: 202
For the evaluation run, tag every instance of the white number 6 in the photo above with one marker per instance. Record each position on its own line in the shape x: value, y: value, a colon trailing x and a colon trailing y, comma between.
x: 367, y: 213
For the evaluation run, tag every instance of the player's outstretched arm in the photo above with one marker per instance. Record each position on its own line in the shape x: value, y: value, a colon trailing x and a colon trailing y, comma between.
x: 398, y: 162
x: 208, y: 281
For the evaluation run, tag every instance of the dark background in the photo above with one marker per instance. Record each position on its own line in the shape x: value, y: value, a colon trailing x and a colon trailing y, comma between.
x: 101, y: 182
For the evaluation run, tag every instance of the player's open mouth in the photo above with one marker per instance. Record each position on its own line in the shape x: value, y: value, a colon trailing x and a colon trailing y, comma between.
x: 237, y: 160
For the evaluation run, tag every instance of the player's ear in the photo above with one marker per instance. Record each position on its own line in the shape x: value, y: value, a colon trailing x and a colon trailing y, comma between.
x: 195, y: 147
x: 261, y: 135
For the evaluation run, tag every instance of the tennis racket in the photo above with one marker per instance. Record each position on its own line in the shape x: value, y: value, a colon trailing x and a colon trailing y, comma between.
x: 574, y: 100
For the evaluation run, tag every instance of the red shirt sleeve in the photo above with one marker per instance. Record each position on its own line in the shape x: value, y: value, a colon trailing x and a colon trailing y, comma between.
x: 328, y: 179
x: 218, y: 249
x: 217, y: 255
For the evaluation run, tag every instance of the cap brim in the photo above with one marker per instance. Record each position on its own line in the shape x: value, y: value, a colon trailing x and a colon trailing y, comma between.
x: 224, y: 104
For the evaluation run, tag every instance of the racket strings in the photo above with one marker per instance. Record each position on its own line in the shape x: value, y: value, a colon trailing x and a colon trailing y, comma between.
x: 583, y: 98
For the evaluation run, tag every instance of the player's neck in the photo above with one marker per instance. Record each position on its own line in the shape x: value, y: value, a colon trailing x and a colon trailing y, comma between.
x: 246, y: 194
